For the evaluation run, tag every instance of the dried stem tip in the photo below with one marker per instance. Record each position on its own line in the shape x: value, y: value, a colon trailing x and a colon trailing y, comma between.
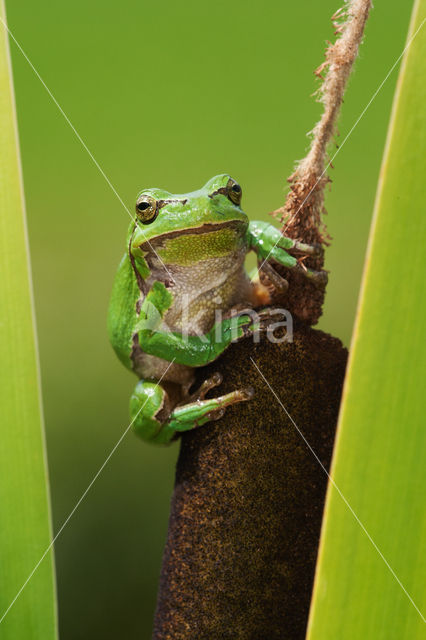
x: 302, y: 212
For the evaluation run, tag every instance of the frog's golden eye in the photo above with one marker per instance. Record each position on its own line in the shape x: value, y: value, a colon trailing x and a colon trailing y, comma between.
x: 234, y: 191
x: 146, y: 209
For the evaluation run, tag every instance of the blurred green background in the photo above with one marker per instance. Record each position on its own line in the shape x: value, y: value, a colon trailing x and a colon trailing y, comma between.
x: 163, y: 94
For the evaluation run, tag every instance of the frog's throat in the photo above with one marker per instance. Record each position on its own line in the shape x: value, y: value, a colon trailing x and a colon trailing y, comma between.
x: 207, y: 227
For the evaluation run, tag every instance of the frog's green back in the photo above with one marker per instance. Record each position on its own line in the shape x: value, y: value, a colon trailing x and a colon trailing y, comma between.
x: 122, y: 311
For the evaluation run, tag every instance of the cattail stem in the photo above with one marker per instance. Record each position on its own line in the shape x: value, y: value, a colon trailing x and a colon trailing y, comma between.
x: 302, y: 213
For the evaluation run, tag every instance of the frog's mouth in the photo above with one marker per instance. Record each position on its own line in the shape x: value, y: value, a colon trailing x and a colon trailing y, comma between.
x: 234, y: 227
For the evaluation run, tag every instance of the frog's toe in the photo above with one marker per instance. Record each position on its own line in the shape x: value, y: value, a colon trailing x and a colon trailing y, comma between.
x: 319, y: 278
x: 195, y: 414
x: 315, y: 249
x: 282, y: 257
x: 214, y: 381
x: 245, y: 394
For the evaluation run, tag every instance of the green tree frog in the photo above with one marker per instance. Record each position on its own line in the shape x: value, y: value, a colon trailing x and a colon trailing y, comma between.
x: 181, y: 296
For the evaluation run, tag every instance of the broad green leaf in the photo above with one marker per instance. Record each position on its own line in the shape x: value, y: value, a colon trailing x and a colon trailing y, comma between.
x: 25, y: 531
x: 371, y: 574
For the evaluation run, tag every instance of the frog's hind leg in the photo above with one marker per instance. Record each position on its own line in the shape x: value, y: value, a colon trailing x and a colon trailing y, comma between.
x: 194, y: 414
x: 157, y: 418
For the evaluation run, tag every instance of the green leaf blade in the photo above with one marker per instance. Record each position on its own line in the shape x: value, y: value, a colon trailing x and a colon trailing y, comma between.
x: 370, y: 582
x: 25, y: 531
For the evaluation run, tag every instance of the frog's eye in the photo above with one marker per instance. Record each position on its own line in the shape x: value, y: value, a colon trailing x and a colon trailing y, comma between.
x: 146, y: 209
x: 234, y: 191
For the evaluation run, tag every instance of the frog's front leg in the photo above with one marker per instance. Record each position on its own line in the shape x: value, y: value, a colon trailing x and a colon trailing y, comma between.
x: 189, y: 350
x: 154, y: 418
x: 270, y: 244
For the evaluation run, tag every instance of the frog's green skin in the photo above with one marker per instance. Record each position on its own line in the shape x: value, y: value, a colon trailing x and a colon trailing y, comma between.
x: 180, y: 267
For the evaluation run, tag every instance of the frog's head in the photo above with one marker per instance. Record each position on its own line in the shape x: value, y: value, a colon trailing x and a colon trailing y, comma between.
x: 162, y: 217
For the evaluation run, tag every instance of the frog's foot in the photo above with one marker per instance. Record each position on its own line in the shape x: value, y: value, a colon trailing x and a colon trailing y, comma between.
x: 319, y: 278
x: 254, y: 321
x: 194, y: 414
x: 272, y: 247
x: 155, y: 419
x: 279, y: 283
x: 245, y: 318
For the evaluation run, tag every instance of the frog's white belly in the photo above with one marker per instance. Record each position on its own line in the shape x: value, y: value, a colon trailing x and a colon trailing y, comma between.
x: 202, y: 295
